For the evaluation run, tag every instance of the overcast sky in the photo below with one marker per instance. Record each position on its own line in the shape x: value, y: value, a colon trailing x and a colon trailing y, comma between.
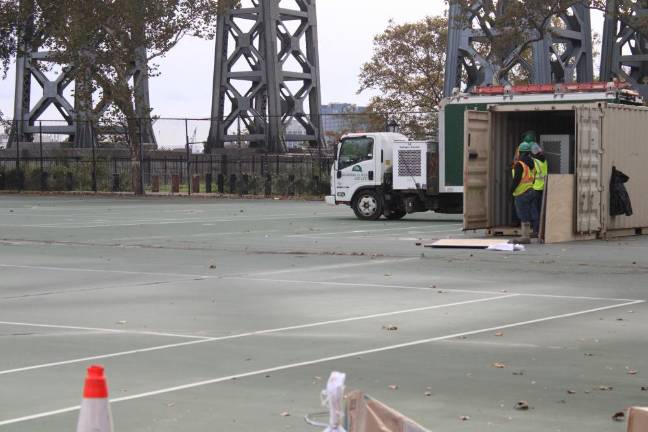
x: 346, y: 29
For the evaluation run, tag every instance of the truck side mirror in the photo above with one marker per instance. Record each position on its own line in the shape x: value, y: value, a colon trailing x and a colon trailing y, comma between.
x: 339, y: 174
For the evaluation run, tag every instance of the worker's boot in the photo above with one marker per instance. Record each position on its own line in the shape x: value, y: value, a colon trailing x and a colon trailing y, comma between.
x: 525, y: 237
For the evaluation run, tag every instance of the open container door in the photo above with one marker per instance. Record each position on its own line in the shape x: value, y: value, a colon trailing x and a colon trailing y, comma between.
x: 477, y: 170
x: 588, y: 169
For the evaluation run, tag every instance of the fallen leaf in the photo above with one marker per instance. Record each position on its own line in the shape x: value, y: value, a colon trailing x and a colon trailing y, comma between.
x: 632, y: 372
x: 171, y: 404
x: 285, y: 414
x: 390, y: 327
x: 571, y: 391
x: 605, y: 388
x: 518, y: 373
x: 212, y: 267
x: 428, y: 393
x: 499, y: 334
x: 499, y: 365
x: 620, y: 416
x: 122, y: 322
x: 464, y: 418
x: 393, y: 387
x: 522, y: 406
x: 644, y: 388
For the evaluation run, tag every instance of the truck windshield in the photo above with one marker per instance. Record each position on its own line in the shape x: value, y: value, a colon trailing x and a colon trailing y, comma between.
x: 355, y: 150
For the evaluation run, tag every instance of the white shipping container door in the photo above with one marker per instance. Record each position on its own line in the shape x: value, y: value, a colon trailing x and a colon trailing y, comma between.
x: 588, y: 170
x: 477, y: 172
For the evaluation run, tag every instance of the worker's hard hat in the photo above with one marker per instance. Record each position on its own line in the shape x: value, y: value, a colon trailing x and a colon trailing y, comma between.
x: 529, y: 137
x: 536, y: 149
x: 525, y: 147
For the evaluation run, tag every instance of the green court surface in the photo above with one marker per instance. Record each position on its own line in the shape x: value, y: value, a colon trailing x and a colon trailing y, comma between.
x: 228, y: 315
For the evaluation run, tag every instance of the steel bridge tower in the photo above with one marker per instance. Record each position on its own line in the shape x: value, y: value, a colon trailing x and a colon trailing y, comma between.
x: 625, y: 50
x: 79, y: 117
x: 564, y: 55
x: 266, y: 77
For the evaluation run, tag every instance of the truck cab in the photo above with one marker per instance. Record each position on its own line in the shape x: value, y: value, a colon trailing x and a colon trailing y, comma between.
x: 385, y: 174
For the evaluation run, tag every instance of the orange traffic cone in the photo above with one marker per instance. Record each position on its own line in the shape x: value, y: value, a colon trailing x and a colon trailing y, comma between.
x: 95, y: 408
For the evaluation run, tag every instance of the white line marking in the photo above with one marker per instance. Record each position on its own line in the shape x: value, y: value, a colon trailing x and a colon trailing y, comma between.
x: 102, y: 330
x: 86, y: 270
x: 74, y: 225
x: 367, y: 237
x: 318, y: 361
x: 207, y: 234
x: 332, y: 267
x: 418, y: 288
x: 254, y: 333
x: 370, y: 231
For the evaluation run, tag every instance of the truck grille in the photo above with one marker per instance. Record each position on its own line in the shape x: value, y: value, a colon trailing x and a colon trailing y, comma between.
x: 409, y: 163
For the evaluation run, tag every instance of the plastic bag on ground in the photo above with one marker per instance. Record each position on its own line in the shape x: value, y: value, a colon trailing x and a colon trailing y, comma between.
x: 333, y: 398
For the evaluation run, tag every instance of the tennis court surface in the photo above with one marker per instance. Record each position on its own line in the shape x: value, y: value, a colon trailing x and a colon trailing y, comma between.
x: 230, y: 315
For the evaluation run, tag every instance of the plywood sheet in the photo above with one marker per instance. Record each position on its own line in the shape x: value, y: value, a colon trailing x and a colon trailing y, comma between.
x: 637, y: 419
x: 559, y: 221
x: 465, y: 243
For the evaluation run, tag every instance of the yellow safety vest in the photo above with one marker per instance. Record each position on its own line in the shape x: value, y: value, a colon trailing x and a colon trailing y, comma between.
x: 528, y: 178
x: 542, y: 170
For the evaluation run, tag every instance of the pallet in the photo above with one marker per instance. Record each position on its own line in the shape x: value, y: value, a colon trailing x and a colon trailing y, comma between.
x: 629, y: 232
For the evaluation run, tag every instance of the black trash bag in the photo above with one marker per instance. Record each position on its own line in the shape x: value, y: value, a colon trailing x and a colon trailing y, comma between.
x: 619, y: 199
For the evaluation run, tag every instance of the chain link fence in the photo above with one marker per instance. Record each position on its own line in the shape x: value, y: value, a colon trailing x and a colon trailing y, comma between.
x: 184, y: 155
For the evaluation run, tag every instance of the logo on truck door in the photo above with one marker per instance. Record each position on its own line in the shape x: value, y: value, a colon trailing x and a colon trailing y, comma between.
x: 357, y: 168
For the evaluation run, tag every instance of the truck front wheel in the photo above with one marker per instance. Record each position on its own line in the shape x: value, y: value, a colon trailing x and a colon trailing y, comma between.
x: 368, y: 205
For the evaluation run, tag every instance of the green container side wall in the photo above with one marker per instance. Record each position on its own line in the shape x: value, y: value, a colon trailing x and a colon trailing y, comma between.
x: 454, y: 140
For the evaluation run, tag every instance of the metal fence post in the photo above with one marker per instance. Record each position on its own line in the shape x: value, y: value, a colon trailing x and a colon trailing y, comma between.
x: 188, y: 156
x: 40, y: 145
x: 94, y: 158
x: 141, y: 155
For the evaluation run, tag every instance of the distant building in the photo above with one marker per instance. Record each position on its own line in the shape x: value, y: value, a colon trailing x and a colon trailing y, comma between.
x: 4, y: 140
x: 339, y: 118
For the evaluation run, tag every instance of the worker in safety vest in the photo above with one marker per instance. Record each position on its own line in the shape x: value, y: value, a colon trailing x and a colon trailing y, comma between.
x: 522, y: 190
x: 542, y: 170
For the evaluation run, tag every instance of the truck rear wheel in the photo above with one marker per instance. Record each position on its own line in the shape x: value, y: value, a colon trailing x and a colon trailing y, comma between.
x: 368, y: 205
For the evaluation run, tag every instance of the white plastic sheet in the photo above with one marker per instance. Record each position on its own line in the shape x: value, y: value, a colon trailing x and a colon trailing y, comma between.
x: 333, y: 399
x: 507, y: 247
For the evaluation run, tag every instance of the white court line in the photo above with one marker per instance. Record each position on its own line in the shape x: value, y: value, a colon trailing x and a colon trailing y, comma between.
x: 248, y: 334
x: 177, y: 222
x: 318, y: 361
x: 86, y: 270
x: 330, y: 267
x: 102, y: 330
x: 185, y: 275
x: 418, y: 227
x: 207, y: 234
x: 366, y: 237
x: 418, y: 288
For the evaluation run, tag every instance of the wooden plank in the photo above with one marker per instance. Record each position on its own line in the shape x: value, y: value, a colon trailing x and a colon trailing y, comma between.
x: 465, y: 243
x: 629, y: 232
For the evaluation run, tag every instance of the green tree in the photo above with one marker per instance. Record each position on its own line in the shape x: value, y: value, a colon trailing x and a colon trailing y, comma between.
x: 407, y: 69
x: 102, y: 40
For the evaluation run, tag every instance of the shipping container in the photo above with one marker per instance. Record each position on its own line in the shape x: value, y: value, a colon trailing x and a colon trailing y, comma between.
x: 583, y: 141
